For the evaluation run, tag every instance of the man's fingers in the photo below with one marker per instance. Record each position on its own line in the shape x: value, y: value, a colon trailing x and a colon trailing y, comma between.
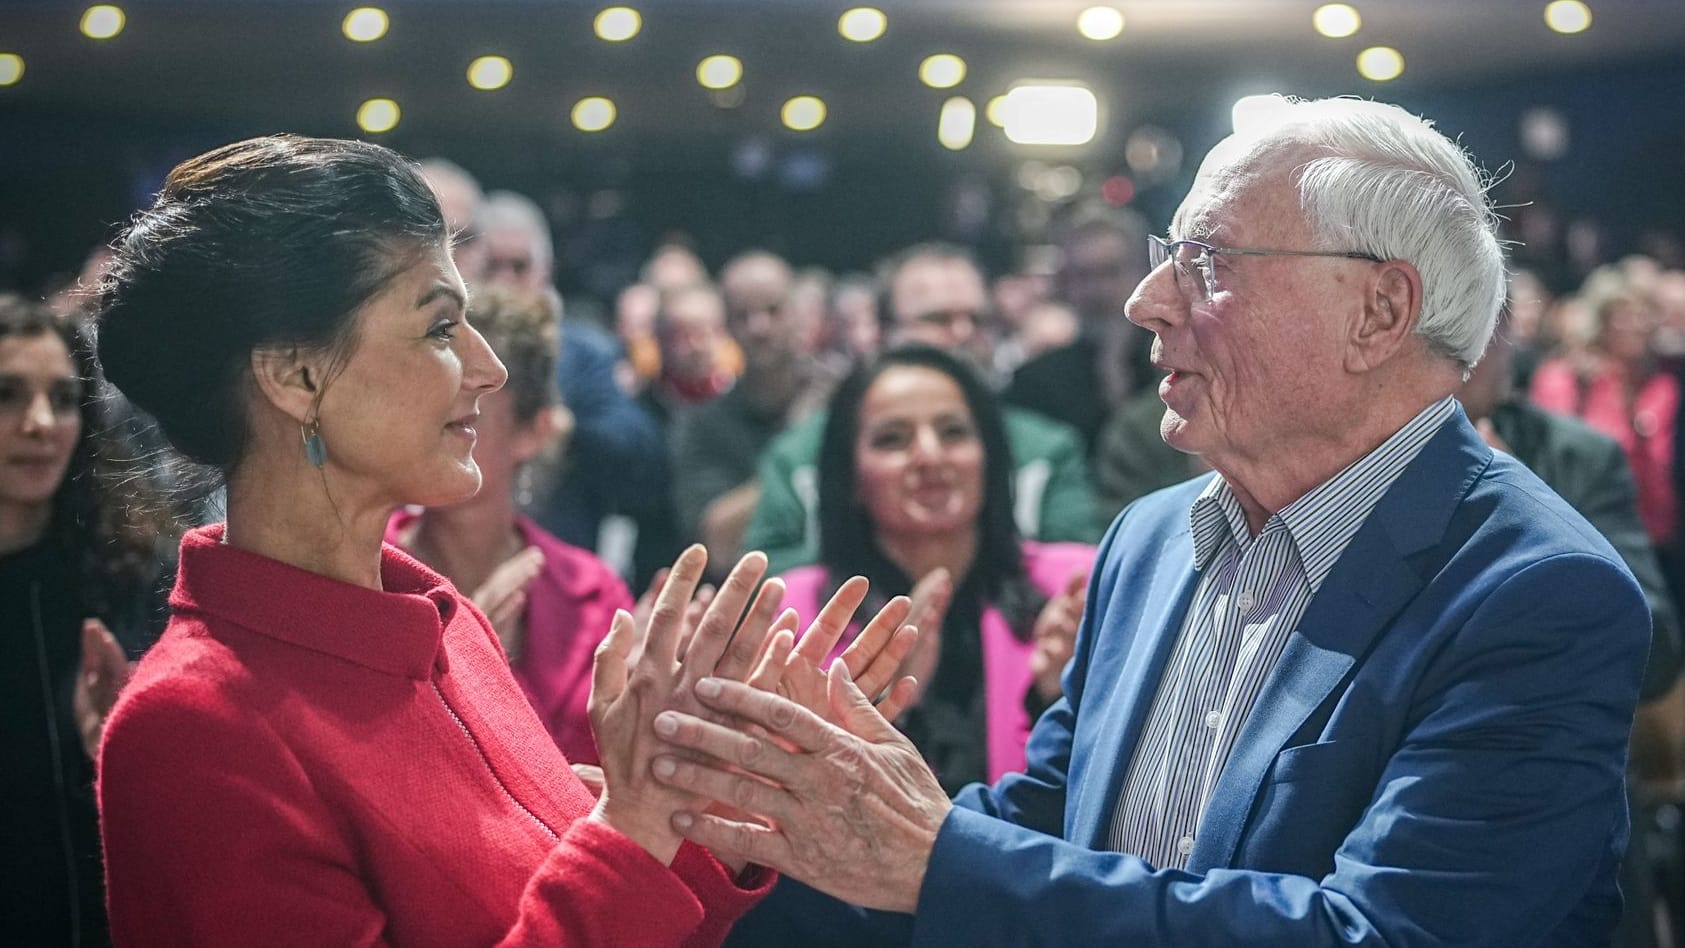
x: 713, y: 633
x: 736, y: 840
x: 853, y: 708
x: 749, y: 753
x: 821, y: 637
x: 737, y: 790
x: 778, y: 714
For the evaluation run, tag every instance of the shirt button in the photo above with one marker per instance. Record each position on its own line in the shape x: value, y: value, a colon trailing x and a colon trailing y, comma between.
x: 1245, y: 602
x: 1185, y: 845
x: 1214, y: 719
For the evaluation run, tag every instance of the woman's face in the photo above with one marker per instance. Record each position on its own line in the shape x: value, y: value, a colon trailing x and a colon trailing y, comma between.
x: 918, y: 460
x: 400, y: 419
x: 40, y: 418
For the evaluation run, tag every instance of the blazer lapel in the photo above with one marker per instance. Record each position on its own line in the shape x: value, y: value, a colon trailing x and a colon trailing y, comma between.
x: 1368, y: 586
x: 1122, y: 701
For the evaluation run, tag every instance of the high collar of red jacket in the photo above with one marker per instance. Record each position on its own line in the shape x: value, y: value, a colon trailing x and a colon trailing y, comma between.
x: 396, y: 630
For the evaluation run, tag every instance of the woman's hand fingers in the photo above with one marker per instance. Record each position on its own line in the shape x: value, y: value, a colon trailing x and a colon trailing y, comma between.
x: 827, y: 628
x: 720, y: 620
x: 883, y: 635
x: 747, y: 644
x: 667, y: 617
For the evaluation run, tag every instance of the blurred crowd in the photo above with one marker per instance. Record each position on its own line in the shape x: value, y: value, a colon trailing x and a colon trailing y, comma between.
x: 959, y: 436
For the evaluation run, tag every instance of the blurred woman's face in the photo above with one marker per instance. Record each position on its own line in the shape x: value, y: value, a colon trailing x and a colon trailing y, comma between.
x: 918, y: 460
x: 1627, y: 325
x: 40, y: 417
x: 400, y: 420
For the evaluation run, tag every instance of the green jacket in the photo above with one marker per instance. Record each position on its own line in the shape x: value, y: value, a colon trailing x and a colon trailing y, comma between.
x: 1053, y: 499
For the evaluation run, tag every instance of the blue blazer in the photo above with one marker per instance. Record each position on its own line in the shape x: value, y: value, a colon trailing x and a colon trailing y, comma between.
x: 1438, y: 757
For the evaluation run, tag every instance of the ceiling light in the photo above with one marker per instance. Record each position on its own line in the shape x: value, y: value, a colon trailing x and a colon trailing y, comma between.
x: 365, y: 24
x: 11, y: 68
x: 618, y: 24
x: 954, y: 127
x: 942, y: 71
x: 719, y: 72
x: 1568, y: 16
x: 1051, y: 113
x: 378, y: 115
x: 490, y: 72
x: 1100, y: 23
x: 593, y: 114
x: 804, y: 113
x: 995, y: 111
x: 1336, y: 20
x: 862, y: 24
x: 102, y: 22
x: 1380, y: 63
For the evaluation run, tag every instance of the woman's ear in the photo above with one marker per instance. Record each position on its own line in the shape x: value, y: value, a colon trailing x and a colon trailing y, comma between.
x: 287, y: 380
x: 533, y: 438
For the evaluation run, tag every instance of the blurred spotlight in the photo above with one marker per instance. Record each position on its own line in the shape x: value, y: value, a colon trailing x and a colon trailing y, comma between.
x: 618, y: 24
x: 1100, y: 23
x: 1254, y: 113
x: 1544, y: 133
x: 942, y: 71
x: 995, y: 111
x: 804, y: 171
x: 1051, y: 113
x: 11, y: 68
x: 1031, y: 172
x: 1568, y: 16
x: 862, y: 24
x: 804, y: 113
x: 365, y: 24
x: 378, y: 115
x: 1058, y: 183
x: 1380, y: 63
x: 490, y: 72
x: 957, y: 123
x: 1153, y: 154
x: 1336, y: 20
x: 719, y: 72
x: 593, y: 114
x: 1117, y: 190
x: 102, y: 22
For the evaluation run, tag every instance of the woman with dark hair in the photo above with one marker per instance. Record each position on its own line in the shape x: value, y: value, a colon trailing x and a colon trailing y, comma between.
x: 915, y: 487
x: 327, y: 747
x: 79, y: 556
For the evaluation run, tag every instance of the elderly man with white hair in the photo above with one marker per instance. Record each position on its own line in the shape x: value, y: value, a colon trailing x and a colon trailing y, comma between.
x: 1369, y: 682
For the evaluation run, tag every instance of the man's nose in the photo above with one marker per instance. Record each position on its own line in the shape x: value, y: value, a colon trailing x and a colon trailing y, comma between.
x: 1157, y: 302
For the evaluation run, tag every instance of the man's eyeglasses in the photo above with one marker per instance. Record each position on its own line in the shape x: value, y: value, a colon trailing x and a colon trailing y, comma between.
x: 1194, y: 267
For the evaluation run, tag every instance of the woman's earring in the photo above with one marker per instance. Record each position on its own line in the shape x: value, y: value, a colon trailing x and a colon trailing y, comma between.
x: 315, y: 450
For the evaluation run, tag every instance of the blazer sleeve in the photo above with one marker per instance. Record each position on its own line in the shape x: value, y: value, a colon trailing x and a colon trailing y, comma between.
x: 1506, y: 791
x: 214, y: 836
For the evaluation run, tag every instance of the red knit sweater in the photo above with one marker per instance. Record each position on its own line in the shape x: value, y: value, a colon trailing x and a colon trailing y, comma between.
x: 300, y: 761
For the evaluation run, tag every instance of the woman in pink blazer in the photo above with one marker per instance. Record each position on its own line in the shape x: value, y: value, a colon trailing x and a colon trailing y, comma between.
x: 915, y: 490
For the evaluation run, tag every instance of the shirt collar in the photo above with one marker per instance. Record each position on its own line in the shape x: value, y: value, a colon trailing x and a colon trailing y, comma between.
x: 1324, y: 520
x: 397, y: 630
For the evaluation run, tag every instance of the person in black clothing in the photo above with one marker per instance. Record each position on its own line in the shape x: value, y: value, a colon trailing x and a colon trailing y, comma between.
x: 77, y: 562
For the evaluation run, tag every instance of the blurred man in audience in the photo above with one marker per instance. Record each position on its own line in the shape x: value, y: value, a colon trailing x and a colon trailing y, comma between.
x: 1085, y: 382
x: 1369, y: 683
x: 699, y: 361
x: 935, y: 297
x: 460, y: 198
x: 628, y: 468
x: 716, y: 445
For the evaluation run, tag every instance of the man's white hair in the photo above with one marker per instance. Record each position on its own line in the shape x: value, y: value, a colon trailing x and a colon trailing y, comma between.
x: 509, y: 211
x: 1384, y: 182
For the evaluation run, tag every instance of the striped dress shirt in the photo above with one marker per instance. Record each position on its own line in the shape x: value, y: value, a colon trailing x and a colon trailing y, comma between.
x: 1252, y: 592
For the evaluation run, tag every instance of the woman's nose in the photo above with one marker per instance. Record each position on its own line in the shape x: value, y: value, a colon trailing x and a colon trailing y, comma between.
x: 38, y: 415
x: 482, y: 370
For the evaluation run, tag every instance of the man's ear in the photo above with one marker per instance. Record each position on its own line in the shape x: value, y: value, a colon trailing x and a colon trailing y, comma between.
x: 1391, y: 307
x: 288, y: 380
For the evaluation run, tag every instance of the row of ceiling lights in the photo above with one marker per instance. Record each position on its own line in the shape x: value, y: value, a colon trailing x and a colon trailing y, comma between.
x: 721, y: 73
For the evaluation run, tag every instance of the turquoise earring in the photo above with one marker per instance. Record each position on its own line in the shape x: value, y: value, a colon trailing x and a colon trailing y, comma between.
x: 315, y: 450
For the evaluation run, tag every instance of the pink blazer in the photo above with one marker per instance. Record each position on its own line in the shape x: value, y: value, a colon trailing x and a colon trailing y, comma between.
x: 1006, y: 660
